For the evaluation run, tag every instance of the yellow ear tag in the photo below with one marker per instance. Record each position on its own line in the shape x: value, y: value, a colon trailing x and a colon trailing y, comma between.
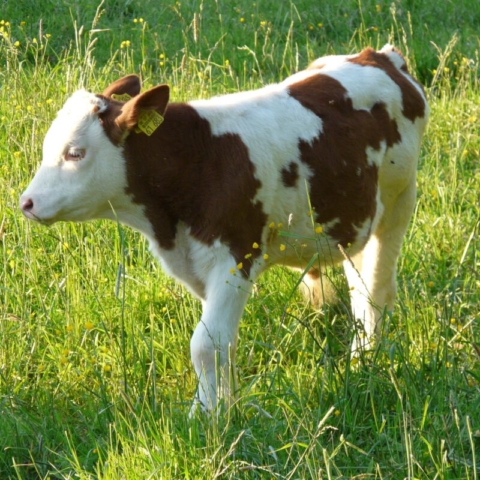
x: 148, y: 121
x: 124, y: 97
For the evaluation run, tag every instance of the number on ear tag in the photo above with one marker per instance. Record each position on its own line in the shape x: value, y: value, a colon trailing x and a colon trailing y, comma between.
x: 148, y: 121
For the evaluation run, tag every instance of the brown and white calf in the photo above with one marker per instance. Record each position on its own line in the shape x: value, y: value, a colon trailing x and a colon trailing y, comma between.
x: 333, y: 148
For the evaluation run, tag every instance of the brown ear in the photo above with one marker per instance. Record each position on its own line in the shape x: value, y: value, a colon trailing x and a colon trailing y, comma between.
x: 154, y: 99
x: 129, y: 85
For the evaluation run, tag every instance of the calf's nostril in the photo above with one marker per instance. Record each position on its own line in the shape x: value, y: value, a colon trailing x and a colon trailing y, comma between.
x: 27, y: 204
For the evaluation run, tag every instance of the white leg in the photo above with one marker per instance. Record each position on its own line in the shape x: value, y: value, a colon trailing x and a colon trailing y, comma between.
x: 214, y: 341
x: 317, y: 289
x: 373, y: 280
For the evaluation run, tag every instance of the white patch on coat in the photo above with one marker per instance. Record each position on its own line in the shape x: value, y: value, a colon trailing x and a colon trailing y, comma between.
x: 353, y: 78
x: 271, y: 124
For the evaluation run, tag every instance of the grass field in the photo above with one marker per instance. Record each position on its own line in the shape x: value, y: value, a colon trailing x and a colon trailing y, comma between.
x: 95, y: 374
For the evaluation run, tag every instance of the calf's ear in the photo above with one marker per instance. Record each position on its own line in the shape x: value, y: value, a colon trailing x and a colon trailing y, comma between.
x: 129, y: 86
x: 155, y: 99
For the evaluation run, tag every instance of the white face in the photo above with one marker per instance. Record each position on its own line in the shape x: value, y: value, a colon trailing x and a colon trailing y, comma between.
x: 82, y: 173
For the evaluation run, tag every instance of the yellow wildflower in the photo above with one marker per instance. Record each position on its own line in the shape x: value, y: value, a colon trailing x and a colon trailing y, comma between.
x: 282, y: 247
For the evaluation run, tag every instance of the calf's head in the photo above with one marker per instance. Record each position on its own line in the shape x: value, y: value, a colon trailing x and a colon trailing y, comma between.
x: 82, y: 174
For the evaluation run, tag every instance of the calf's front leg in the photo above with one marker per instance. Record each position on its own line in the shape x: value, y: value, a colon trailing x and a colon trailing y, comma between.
x: 214, y: 341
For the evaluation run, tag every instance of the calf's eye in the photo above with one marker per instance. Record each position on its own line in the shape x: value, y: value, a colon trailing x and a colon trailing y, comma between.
x: 73, y: 154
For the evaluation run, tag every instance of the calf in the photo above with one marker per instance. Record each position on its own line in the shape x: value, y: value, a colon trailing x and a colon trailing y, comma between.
x: 321, y: 165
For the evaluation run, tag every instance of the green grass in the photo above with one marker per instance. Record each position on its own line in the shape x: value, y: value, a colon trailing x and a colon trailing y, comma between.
x: 95, y: 374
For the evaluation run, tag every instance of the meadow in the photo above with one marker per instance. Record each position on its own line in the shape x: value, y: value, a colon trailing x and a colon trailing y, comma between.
x: 95, y: 373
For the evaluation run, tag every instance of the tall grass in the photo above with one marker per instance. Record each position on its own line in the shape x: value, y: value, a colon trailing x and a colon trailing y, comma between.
x: 95, y: 376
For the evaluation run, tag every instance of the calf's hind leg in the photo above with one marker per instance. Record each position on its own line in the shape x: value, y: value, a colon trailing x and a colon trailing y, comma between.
x: 371, y: 274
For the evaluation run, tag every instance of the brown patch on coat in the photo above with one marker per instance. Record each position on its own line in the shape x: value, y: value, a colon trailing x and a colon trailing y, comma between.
x: 108, y: 119
x: 344, y: 185
x: 413, y: 102
x: 290, y: 175
x: 183, y: 173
